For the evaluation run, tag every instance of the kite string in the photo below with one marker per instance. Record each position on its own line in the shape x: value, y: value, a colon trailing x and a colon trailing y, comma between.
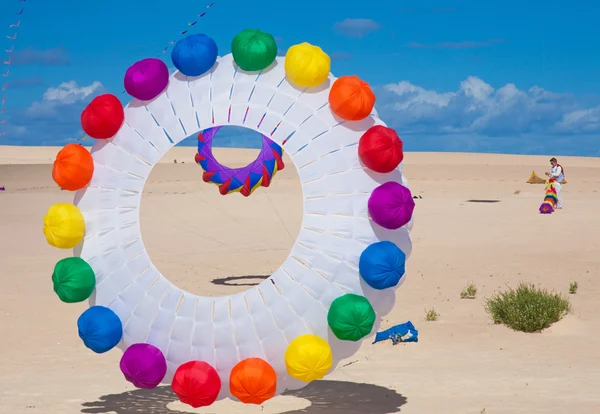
x: 7, y: 62
x: 183, y: 32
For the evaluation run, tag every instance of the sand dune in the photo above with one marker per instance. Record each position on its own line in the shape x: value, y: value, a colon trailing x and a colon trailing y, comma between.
x: 462, y: 364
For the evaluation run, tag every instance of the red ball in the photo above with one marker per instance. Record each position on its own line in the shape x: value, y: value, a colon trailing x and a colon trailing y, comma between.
x: 380, y: 149
x: 103, y: 117
x: 196, y: 383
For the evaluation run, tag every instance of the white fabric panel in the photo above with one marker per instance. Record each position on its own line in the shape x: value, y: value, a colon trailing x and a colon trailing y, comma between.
x: 323, y: 263
x: 141, y: 119
x: 269, y: 122
x: 238, y: 112
x: 107, y: 177
x: 180, y: 96
x: 136, y: 327
x: 203, y: 348
x: 270, y: 333
x: 267, y: 83
x: 129, y: 297
x: 200, y: 90
x: 243, y: 87
x: 162, y: 111
x: 106, y: 153
x: 222, y: 80
x: 247, y: 337
x: 130, y: 141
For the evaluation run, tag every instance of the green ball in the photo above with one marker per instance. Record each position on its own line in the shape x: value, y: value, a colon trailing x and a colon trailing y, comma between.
x: 74, y: 280
x: 351, y: 317
x: 253, y: 50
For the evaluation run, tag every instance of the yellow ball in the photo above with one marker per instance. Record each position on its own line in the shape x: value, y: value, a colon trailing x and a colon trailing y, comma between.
x: 64, y: 226
x: 308, y: 358
x: 307, y: 65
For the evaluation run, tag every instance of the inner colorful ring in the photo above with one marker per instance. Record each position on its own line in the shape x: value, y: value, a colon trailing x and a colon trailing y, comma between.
x: 246, y: 179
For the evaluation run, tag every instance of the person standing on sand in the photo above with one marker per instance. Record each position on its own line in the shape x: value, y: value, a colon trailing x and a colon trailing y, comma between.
x: 558, y: 173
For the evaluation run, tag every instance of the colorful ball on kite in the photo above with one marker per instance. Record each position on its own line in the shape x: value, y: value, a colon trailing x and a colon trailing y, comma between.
x: 382, y: 265
x: 253, y: 381
x: 73, y: 167
x: 103, y: 117
x: 196, y: 383
x: 143, y: 365
x: 546, y: 208
x: 391, y: 205
x: 380, y: 149
x: 73, y: 279
x: 195, y: 54
x: 64, y: 226
x: 253, y: 50
x: 146, y: 79
x: 308, y: 358
x: 100, y: 329
x: 351, y: 317
x: 307, y: 65
x: 351, y: 98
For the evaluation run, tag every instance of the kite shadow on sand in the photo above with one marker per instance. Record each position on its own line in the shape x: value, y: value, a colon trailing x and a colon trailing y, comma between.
x: 250, y: 280
x: 331, y: 397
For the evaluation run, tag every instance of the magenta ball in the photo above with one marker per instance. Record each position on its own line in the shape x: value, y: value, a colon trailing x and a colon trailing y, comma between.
x: 143, y: 365
x: 146, y: 79
x: 391, y: 205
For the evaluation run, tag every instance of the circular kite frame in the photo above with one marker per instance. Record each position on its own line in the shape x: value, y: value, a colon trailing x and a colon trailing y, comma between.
x: 322, y: 265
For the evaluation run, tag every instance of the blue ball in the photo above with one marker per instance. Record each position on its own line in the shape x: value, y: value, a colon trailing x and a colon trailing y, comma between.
x: 381, y: 265
x: 194, y: 55
x: 100, y: 329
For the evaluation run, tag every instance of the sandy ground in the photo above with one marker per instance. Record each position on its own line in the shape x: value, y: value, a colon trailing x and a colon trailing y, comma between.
x: 463, y: 363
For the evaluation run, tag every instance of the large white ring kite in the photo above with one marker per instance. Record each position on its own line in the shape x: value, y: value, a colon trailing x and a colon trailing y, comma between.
x: 323, y: 263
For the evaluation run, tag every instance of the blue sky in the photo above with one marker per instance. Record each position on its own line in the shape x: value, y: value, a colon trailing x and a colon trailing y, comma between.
x: 510, y: 76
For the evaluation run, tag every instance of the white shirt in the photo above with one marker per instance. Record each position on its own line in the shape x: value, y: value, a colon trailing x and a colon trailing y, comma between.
x: 556, y: 172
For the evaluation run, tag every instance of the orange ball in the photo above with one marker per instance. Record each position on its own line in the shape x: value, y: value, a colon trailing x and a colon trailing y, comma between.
x: 253, y: 381
x: 73, y: 167
x: 351, y: 98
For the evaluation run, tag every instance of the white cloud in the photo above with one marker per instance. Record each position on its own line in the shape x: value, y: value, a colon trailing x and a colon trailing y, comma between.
x: 478, y: 108
x: 356, y: 27
x: 70, y: 92
x: 582, y: 121
x: 55, y: 118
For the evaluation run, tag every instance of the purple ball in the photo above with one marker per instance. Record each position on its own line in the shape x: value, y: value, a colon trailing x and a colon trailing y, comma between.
x: 146, y: 79
x: 391, y: 205
x: 143, y: 365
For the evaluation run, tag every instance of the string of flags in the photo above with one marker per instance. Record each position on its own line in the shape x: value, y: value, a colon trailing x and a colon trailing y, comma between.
x: 190, y: 24
x: 7, y: 62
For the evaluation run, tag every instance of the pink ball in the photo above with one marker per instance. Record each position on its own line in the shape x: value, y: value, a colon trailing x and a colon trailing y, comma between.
x: 143, y: 365
x: 146, y: 79
x: 391, y: 205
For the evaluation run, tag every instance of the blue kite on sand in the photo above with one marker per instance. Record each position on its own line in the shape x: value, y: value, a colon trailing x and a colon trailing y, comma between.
x: 405, y: 332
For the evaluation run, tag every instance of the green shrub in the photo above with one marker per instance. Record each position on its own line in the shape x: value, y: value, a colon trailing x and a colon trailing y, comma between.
x: 431, y: 315
x: 573, y: 288
x: 469, y: 292
x: 527, y: 308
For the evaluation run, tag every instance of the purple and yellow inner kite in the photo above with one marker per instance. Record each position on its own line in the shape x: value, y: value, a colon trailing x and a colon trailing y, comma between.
x: 550, y: 199
x: 246, y: 179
